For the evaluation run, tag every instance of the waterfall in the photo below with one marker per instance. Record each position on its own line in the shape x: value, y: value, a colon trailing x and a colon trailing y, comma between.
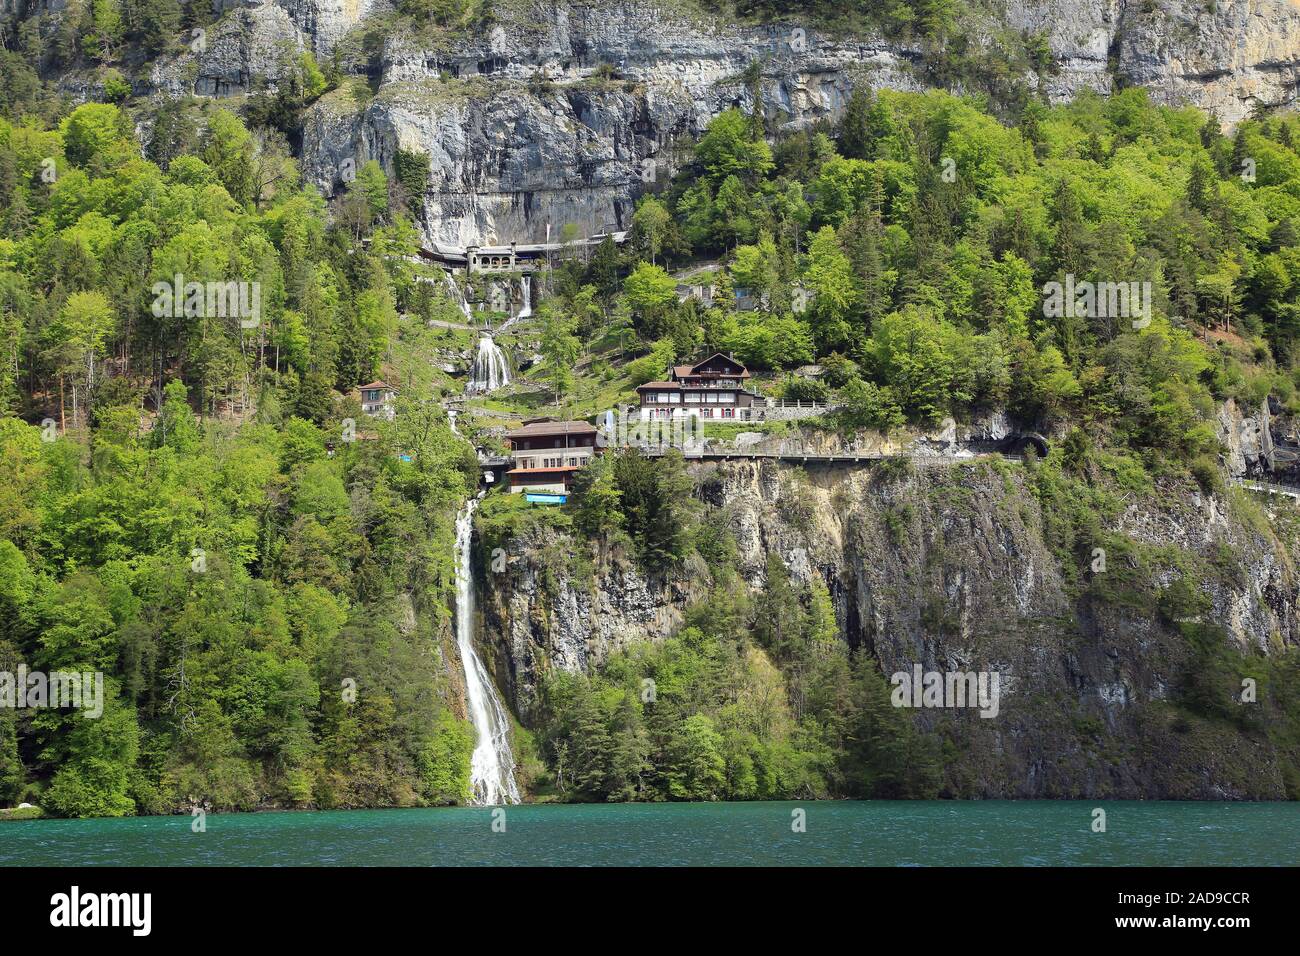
x: 491, y: 371
x: 526, y: 290
x: 492, y: 766
x: 457, y: 295
x: 526, y: 283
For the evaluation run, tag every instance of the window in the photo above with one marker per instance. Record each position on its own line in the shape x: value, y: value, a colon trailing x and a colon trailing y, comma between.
x: 728, y: 413
x: 707, y: 412
x: 728, y: 398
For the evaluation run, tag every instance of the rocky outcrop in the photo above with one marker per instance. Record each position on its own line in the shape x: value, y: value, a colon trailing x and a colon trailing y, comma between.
x: 960, y: 567
x: 252, y: 44
x: 544, y: 614
x: 1221, y: 56
x: 1244, y: 435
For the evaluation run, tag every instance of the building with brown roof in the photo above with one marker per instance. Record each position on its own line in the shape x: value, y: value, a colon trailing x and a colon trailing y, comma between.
x: 377, y: 399
x: 547, y: 453
x: 712, y: 388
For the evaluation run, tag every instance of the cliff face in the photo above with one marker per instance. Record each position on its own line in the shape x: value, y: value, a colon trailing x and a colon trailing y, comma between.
x: 960, y: 568
x: 560, y: 112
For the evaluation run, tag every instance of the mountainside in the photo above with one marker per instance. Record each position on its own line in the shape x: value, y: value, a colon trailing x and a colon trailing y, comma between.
x: 1115, y: 679
x: 255, y: 447
x: 559, y: 113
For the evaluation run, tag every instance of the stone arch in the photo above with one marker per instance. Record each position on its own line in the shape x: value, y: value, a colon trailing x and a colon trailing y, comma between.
x: 1023, y: 441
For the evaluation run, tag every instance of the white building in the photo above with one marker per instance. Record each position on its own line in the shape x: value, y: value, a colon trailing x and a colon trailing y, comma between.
x: 377, y: 400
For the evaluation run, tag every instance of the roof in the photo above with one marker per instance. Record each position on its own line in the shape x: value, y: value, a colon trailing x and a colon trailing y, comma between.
x: 744, y: 372
x: 690, y: 371
x: 533, y: 248
x: 535, y: 429
x: 690, y: 386
x: 376, y: 384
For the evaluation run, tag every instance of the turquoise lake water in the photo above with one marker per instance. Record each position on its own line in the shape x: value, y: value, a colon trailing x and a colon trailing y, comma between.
x: 874, y: 833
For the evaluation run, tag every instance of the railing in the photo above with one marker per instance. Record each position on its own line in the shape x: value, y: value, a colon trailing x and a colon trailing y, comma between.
x: 783, y: 403
x: 1269, y: 487
x: 790, y: 450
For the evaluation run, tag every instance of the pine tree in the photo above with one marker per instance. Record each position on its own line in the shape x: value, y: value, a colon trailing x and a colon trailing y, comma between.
x: 855, y: 139
x: 629, y: 751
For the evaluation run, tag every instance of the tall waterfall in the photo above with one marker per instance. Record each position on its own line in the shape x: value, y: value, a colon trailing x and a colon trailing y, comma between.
x: 492, y: 766
x: 491, y: 371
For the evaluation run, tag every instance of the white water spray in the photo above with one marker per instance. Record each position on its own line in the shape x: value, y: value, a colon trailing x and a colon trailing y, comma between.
x: 492, y: 766
x: 491, y: 371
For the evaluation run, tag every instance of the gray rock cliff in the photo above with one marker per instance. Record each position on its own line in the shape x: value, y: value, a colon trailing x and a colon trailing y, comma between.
x: 560, y: 112
x: 960, y: 567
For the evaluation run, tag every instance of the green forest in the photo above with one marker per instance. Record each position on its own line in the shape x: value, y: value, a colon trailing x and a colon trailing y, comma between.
x: 188, y: 506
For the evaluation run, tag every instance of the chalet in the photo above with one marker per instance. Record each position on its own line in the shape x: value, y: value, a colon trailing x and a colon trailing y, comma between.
x: 546, y: 454
x: 713, y: 388
x: 377, y: 400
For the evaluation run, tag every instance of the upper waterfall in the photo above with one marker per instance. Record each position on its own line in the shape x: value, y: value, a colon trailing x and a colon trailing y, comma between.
x: 526, y: 290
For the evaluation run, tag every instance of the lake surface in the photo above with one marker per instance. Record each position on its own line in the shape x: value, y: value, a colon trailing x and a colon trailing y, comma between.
x: 875, y: 833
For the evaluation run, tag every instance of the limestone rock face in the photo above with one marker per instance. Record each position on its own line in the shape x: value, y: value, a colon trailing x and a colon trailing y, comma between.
x: 324, y: 22
x: 560, y: 113
x: 958, y: 567
x: 252, y: 43
x: 1244, y: 435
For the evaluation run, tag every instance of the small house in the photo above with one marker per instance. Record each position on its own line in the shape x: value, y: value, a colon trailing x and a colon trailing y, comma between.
x: 377, y: 400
